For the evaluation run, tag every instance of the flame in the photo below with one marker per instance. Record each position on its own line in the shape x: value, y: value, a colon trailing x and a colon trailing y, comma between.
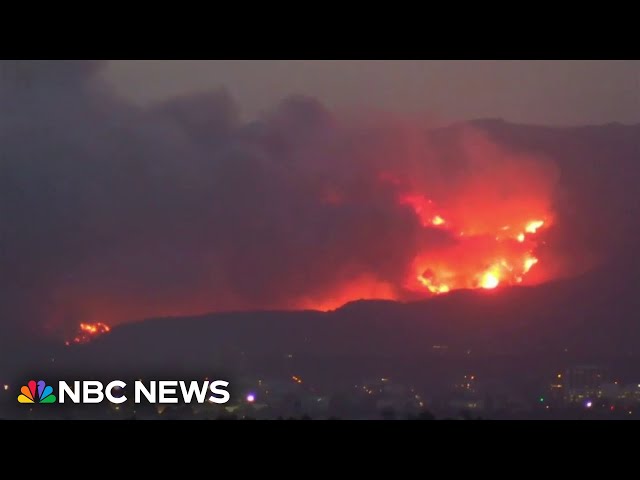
x: 431, y: 286
x: 478, y: 232
x: 528, y: 263
x: 438, y: 220
x: 533, y: 226
x: 489, y: 280
x: 489, y: 251
x: 89, y: 331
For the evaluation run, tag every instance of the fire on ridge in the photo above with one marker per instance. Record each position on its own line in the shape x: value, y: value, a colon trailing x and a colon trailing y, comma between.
x: 87, y: 332
x: 484, y: 256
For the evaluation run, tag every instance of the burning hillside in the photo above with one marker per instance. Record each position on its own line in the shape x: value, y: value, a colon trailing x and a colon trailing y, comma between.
x: 182, y: 208
x: 482, y: 258
x: 87, y: 332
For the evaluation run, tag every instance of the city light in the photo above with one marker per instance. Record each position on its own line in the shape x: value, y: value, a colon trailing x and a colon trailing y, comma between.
x: 251, y: 398
x: 589, y: 404
x: 6, y: 387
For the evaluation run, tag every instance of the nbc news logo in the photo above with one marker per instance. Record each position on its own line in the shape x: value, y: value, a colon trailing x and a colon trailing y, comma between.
x: 38, y: 392
x: 93, y: 391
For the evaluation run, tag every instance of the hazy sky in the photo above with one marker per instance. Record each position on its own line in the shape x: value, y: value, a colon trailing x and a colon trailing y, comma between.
x: 544, y: 92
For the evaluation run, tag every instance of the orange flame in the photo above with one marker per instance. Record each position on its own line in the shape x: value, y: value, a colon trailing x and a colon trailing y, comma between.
x: 438, y: 220
x: 489, y: 280
x: 533, y: 226
x: 488, y: 253
x: 89, y: 331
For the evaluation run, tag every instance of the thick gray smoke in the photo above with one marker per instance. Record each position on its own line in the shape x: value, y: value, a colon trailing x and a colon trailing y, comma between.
x: 110, y: 211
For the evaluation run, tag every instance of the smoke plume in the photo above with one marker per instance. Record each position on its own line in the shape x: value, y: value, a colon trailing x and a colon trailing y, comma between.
x: 112, y: 212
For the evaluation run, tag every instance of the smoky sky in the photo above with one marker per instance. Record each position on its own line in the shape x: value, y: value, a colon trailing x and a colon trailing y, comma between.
x: 551, y: 92
x: 114, y: 211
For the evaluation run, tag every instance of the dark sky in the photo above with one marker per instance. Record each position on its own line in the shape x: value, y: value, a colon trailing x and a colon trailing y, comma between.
x: 541, y: 92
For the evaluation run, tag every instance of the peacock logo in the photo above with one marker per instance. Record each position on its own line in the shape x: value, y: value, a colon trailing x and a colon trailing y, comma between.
x: 38, y: 392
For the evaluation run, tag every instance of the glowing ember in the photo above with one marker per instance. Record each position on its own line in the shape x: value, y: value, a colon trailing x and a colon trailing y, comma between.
x: 520, y: 237
x: 89, y: 331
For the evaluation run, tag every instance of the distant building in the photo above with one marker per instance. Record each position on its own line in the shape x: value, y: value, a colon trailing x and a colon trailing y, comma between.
x: 582, y: 383
x: 627, y: 395
x: 388, y: 395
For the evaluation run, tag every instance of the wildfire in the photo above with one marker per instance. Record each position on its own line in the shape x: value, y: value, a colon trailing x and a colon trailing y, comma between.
x: 89, y: 331
x: 532, y: 227
x: 431, y: 285
x: 489, y: 280
x: 423, y: 208
x: 486, y: 255
x: 438, y: 220
x: 528, y: 263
